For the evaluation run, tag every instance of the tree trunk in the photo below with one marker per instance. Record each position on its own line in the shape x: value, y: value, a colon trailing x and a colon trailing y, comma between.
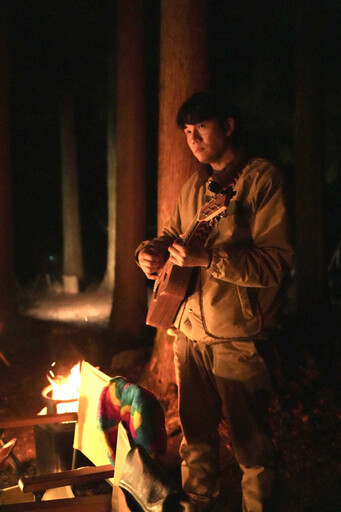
x: 127, y: 322
x: 183, y: 71
x: 73, y: 261
x: 7, y: 277
x: 309, y: 121
x: 109, y: 278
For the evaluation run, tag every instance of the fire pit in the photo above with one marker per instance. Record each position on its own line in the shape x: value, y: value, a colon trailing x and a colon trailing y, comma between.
x: 54, y: 441
x: 58, y: 406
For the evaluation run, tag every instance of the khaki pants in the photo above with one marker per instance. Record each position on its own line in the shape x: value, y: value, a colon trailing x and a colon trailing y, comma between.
x: 229, y: 380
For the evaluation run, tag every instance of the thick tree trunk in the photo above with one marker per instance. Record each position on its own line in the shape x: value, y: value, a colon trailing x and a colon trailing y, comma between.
x: 127, y: 321
x: 73, y: 261
x: 7, y: 279
x: 183, y: 71
x: 309, y: 129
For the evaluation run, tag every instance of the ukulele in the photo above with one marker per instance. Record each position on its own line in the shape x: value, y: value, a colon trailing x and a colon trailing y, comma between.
x: 172, y: 282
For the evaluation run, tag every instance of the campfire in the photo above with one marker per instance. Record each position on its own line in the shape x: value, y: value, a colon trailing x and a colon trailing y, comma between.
x: 62, y: 394
x: 54, y: 441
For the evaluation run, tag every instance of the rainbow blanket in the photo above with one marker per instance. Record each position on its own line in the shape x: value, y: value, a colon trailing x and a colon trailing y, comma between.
x: 141, y: 411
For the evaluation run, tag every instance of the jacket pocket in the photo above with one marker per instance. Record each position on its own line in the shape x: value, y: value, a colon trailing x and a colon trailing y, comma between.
x: 245, y: 302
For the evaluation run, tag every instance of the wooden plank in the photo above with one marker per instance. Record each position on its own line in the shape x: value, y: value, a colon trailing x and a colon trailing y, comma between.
x: 71, y: 477
x: 37, y: 419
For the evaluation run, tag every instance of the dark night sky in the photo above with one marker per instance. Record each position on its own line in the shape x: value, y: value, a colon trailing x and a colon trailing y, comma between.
x: 58, y: 44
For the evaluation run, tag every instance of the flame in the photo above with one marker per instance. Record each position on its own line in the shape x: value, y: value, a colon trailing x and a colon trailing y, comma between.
x: 65, y: 388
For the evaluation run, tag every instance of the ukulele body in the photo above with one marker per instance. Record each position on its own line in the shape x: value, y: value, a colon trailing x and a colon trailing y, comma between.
x: 169, y: 291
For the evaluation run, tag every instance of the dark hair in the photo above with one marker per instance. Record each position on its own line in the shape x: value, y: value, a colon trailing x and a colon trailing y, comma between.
x: 206, y: 105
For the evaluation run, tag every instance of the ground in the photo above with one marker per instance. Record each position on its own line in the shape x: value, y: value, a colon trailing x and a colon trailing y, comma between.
x: 305, y: 414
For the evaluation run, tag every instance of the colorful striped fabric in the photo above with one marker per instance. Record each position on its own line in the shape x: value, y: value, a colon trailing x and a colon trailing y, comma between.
x: 141, y: 412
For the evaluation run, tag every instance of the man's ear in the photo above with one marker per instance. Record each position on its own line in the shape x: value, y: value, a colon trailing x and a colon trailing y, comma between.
x: 229, y: 126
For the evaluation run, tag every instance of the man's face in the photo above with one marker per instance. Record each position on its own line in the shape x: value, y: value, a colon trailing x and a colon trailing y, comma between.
x: 208, y: 141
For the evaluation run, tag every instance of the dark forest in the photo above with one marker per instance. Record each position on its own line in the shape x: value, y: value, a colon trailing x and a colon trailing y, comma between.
x: 278, y: 62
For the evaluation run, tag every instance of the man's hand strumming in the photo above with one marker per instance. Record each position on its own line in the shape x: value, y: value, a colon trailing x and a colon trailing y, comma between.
x: 151, y: 260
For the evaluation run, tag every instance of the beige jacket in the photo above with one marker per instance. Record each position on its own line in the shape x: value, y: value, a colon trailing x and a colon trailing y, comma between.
x: 238, y: 296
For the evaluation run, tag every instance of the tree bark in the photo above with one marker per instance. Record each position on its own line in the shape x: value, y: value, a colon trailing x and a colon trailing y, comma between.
x: 73, y: 261
x: 109, y: 278
x: 183, y: 71
x: 127, y: 321
x: 309, y: 129
x: 7, y: 275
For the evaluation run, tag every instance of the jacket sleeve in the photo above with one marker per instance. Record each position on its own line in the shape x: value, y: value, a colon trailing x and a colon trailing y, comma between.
x: 267, y: 258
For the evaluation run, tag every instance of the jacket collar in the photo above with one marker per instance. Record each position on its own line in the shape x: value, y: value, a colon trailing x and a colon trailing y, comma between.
x: 227, y: 175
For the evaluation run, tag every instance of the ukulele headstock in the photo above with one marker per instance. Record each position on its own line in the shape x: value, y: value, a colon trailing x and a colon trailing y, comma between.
x: 217, y: 206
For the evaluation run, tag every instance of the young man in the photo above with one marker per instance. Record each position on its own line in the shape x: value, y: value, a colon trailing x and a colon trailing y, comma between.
x: 227, y: 319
